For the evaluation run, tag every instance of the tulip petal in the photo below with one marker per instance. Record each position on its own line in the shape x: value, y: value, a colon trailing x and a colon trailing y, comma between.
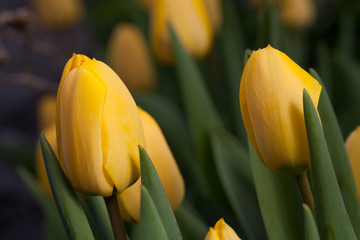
x: 74, y: 62
x: 277, y: 123
x: 81, y: 110
x: 121, y: 131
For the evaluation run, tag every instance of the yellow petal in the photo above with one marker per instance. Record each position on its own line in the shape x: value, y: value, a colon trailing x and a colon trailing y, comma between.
x: 272, y: 87
x: 165, y: 165
x: 74, y: 62
x: 221, y: 231
x: 129, y: 202
x: 225, y: 231
x: 81, y: 110
x: 129, y: 57
x: 352, y: 145
x: 121, y: 130
x: 212, y: 235
x: 189, y: 20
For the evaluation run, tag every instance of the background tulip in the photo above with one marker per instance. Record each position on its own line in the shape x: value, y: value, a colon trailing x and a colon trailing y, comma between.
x: 352, y: 145
x: 215, y: 11
x: 191, y: 22
x: 58, y: 14
x: 297, y: 14
x: 50, y: 134
x: 221, y: 231
x: 165, y: 165
x: 98, y: 127
x: 271, y: 102
x: 46, y: 110
x: 129, y: 57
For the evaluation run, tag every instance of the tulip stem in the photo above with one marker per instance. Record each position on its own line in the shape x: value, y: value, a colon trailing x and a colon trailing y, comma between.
x: 305, y: 191
x: 115, y: 217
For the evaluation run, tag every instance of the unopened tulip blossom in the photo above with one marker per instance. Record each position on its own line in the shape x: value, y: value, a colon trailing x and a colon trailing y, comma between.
x: 129, y: 57
x: 221, y: 231
x: 191, y: 22
x: 98, y: 128
x: 58, y: 14
x: 166, y: 167
x: 271, y: 99
x: 352, y: 145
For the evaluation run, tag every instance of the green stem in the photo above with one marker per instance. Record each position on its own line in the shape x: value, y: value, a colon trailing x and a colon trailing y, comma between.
x: 115, y: 217
x: 302, y: 182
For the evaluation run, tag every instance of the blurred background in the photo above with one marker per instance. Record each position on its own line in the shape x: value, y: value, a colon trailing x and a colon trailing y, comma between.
x: 38, y: 37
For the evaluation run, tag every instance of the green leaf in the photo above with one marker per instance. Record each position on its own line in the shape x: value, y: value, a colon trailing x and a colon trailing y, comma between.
x: 150, y: 226
x: 339, y: 157
x: 150, y: 179
x: 311, y: 232
x: 331, y: 216
x: 279, y: 201
x: 71, y: 212
x: 233, y: 166
x: 191, y: 225
x: 201, y: 112
x: 52, y: 222
x: 232, y: 48
x: 98, y: 210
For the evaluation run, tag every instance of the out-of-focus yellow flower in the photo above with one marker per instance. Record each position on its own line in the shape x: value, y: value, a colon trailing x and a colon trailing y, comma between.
x: 297, y: 14
x: 46, y: 109
x: 50, y: 134
x: 129, y: 57
x: 271, y: 103
x: 215, y: 10
x: 58, y: 14
x: 352, y: 145
x: 190, y: 21
x: 221, y: 231
x: 98, y: 128
x: 166, y: 167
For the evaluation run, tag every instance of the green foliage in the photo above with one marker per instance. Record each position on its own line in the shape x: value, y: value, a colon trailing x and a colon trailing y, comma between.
x: 151, y: 181
x: 69, y: 207
x: 331, y: 215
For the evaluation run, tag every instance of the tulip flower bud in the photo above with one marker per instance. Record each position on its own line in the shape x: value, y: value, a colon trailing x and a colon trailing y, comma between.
x: 297, y: 14
x: 352, y: 145
x: 190, y: 21
x: 58, y: 14
x: 214, y: 8
x: 271, y: 102
x: 221, y: 231
x: 50, y: 134
x: 46, y: 109
x: 129, y: 57
x: 166, y: 167
x: 98, y: 128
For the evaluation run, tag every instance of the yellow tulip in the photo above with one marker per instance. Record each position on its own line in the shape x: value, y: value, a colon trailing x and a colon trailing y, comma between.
x: 221, y: 231
x: 271, y: 103
x: 190, y: 21
x: 352, y: 145
x: 98, y: 128
x: 46, y: 109
x: 129, y: 57
x: 50, y: 134
x: 297, y: 14
x: 214, y: 8
x: 58, y: 14
x: 166, y: 167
